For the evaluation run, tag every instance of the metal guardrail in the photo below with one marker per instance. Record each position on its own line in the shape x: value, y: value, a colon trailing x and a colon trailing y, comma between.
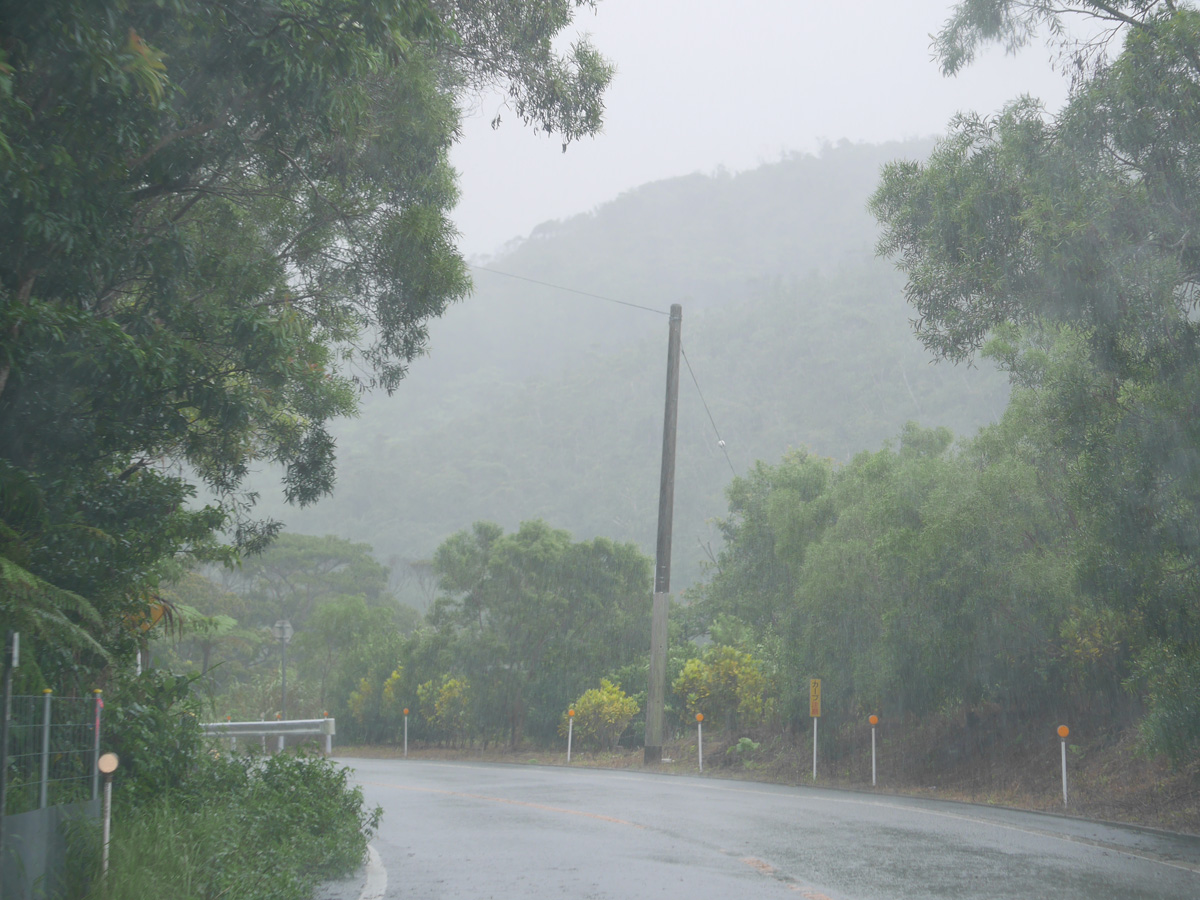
x: 280, y: 729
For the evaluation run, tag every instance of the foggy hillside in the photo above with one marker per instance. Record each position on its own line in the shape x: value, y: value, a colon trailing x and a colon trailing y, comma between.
x: 535, y: 402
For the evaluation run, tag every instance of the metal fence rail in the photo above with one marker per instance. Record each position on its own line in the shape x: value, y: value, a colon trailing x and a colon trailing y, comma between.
x: 51, y: 752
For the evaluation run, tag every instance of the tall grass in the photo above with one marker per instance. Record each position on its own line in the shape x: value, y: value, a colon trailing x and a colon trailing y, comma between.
x: 254, y: 828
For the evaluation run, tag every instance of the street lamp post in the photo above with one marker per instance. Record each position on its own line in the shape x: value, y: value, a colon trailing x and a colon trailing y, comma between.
x: 283, y: 633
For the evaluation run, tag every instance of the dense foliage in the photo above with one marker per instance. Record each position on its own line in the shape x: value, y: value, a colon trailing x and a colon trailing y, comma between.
x: 1072, y: 239
x: 601, y: 716
x: 915, y: 579
x: 532, y: 618
x: 192, y: 823
x: 332, y: 591
x: 217, y: 219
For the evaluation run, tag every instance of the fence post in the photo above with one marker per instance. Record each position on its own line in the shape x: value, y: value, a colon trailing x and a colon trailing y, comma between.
x: 10, y: 662
x: 96, y: 746
x: 43, y: 795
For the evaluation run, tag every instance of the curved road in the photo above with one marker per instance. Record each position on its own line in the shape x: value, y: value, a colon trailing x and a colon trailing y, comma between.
x: 464, y: 830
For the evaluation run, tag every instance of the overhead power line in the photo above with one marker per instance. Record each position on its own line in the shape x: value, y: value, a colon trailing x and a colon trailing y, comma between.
x: 661, y: 312
x: 560, y: 287
x: 720, y: 440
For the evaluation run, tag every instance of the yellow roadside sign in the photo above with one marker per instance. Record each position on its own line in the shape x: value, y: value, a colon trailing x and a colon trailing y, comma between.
x: 814, y: 698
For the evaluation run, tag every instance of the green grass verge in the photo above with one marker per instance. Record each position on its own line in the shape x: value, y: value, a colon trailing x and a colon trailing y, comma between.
x: 259, y: 828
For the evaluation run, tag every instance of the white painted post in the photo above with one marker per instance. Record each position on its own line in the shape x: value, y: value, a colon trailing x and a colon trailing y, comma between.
x: 99, y: 705
x: 328, y: 736
x: 570, y: 731
x: 43, y: 794
x: 1064, y: 768
x: 874, y: 720
x: 700, y: 739
x: 107, y: 764
x: 406, y: 733
x: 1063, y: 731
x: 815, y: 720
x: 107, y: 825
x: 814, y: 710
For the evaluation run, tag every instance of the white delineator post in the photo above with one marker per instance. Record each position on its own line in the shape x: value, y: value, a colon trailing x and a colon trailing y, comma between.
x: 106, y: 765
x: 874, y: 720
x: 815, y: 720
x: 1063, y: 731
x: 814, y: 710
x: 406, y: 732
x: 328, y: 735
x: 570, y: 731
x: 700, y: 739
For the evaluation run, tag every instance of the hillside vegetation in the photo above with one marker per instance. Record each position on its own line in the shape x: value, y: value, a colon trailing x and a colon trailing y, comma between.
x: 539, y: 403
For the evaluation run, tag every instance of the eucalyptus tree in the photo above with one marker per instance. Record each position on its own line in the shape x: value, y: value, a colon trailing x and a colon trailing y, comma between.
x: 298, y: 573
x: 218, y: 220
x: 535, y: 618
x: 1080, y: 227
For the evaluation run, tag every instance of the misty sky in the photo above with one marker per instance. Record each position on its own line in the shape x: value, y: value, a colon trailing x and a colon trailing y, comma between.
x: 709, y: 83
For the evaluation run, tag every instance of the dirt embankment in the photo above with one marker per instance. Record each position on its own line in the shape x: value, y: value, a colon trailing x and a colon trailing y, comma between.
x: 1109, y: 777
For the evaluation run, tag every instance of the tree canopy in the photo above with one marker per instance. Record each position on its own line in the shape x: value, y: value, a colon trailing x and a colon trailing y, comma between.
x: 1069, y: 242
x: 531, y: 618
x: 217, y: 220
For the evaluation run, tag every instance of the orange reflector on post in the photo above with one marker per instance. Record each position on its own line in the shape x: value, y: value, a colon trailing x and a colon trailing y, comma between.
x: 699, y: 717
x: 874, y: 720
x: 1063, y: 731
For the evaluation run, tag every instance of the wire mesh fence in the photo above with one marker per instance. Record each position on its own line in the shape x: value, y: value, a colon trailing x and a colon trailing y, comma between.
x: 51, y: 751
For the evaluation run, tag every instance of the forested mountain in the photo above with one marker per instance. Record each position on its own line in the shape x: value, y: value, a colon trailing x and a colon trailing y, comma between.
x: 537, y: 402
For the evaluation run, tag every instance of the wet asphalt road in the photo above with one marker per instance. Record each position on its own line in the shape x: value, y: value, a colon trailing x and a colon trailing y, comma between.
x: 463, y: 830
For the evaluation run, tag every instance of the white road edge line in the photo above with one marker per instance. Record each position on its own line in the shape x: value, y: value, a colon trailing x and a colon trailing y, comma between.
x: 376, y: 884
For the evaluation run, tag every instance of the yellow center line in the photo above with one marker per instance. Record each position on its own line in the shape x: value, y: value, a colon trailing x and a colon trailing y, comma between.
x: 761, y: 865
x: 506, y: 800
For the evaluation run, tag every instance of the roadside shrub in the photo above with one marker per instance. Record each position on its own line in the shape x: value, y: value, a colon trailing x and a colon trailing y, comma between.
x: 152, y: 722
x: 268, y: 828
x: 191, y: 822
x: 447, y: 707
x: 602, y: 715
x: 726, y: 684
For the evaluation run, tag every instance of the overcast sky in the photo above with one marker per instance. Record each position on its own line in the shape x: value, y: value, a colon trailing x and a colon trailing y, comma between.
x: 708, y: 83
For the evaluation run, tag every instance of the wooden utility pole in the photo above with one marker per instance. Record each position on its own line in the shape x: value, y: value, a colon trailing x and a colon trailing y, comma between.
x: 657, y: 687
